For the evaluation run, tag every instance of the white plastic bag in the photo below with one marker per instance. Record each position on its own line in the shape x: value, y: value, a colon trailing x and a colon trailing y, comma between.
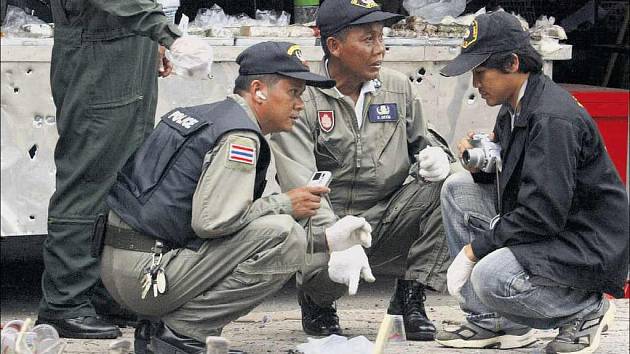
x: 337, y: 344
x: 433, y: 11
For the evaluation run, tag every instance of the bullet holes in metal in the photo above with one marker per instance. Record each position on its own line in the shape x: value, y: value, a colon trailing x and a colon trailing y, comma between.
x: 31, y: 217
x: 16, y: 90
x: 38, y: 121
x: 471, y: 98
x: 50, y: 120
x: 32, y: 152
x: 418, y: 76
x: 29, y: 71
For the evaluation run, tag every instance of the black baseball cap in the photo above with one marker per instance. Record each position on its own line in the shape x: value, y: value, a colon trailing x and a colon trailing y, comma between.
x: 281, y: 58
x: 335, y: 15
x: 490, y: 33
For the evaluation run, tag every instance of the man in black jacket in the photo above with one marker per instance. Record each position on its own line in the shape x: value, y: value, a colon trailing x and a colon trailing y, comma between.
x: 557, y: 237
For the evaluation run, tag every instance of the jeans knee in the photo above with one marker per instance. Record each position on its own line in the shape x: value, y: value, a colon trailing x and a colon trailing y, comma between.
x: 483, y: 282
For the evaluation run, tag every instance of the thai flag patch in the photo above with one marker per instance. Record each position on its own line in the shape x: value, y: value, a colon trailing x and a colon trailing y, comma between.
x: 242, y: 153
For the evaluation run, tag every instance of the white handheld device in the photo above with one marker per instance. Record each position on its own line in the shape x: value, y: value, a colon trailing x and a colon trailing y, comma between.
x: 320, y: 178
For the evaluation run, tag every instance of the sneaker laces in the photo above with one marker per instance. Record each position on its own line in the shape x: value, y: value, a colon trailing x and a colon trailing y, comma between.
x: 567, y: 333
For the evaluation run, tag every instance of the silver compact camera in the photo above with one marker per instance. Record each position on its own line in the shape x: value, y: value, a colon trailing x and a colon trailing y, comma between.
x: 485, y: 154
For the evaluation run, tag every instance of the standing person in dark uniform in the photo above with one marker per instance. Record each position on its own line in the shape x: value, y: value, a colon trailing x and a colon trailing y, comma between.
x: 104, y: 72
x: 190, y: 240
x: 540, y: 237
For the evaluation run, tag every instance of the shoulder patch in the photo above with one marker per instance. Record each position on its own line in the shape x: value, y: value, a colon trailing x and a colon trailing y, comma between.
x: 241, y: 152
x: 326, y: 120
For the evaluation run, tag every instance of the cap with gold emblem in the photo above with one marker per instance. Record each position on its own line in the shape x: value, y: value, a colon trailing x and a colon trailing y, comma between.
x: 335, y: 15
x: 281, y: 58
x: 494, y: 32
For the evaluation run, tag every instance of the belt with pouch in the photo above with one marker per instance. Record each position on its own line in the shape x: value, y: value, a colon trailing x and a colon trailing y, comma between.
x: 132, y: 240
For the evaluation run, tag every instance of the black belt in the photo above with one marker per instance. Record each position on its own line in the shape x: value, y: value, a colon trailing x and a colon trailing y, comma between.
x: 132, y: 240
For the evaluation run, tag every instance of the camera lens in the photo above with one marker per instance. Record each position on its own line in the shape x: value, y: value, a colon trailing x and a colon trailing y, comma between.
x: 473, y: 158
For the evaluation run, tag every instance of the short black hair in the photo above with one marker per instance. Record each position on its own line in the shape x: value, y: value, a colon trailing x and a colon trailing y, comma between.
x: 242, y: 82
x: 340, y: 35
x: 530, y: 61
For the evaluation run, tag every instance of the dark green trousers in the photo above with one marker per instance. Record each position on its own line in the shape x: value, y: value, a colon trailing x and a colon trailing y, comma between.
x: 104, y: 86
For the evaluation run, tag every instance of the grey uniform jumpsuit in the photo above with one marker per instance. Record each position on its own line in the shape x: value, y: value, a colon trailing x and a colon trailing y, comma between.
x: 251, y: 248
x: 369, y: 168
x: 104, y: 85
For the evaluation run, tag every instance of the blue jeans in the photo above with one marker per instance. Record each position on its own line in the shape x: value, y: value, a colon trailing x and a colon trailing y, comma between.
x: 499, y: 294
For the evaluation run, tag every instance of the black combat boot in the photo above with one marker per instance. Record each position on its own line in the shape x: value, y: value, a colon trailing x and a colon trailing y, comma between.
x: 408, y: 301
x: 318, y: 320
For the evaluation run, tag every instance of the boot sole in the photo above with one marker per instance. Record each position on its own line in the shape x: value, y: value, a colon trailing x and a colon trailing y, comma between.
x: 500, y: 342
x: 609, y: 316
x: 420, y: 336
x: 101, y: 335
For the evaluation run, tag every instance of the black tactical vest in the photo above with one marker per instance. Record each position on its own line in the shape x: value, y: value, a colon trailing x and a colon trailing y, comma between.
x: 154, y: 190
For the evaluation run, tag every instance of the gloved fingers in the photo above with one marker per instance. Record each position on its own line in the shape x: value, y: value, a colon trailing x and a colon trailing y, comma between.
x: 427, y: 164
x: 430, y: 174
x: 351, y: 222
x: 367, y: 227
x: 365, y: 238
x: 353, y: 283
x: 366, y: 274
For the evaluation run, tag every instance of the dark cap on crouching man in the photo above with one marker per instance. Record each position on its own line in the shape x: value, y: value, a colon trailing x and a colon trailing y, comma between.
x: 557, y: 238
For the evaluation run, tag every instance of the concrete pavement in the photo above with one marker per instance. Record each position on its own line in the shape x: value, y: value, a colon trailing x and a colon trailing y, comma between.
x: 274, y: 326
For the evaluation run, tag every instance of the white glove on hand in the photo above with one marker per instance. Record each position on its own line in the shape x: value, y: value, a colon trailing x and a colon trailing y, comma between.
x: 433, y: 163
x: 347, y: 232
x: 191, y: 57
x: 458, y: 274
x: 346, y: 267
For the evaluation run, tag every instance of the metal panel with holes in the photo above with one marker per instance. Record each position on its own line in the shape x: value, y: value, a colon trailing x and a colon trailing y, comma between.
x: 28, y: 114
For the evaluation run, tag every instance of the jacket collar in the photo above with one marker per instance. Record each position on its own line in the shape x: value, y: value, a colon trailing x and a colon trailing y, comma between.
x: 529, y: 101
x: 241, y: 102
x: 368, y: 87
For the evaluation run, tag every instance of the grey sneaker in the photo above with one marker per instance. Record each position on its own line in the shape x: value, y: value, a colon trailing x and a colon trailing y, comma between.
x: 583, y: 334
x: 470, y: 335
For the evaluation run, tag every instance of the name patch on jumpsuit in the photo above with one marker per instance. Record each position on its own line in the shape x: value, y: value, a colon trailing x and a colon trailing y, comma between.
x: 383, y: 112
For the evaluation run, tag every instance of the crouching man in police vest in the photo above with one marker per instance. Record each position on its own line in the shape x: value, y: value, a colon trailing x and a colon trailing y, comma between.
x: 189, y: 239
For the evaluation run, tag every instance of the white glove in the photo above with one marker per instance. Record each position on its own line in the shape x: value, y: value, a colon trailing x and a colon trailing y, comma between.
x: 433, y: 163
x: 347, y: 232
x: 191, y: 57
x: 346, y: 267
x: 458, y: 274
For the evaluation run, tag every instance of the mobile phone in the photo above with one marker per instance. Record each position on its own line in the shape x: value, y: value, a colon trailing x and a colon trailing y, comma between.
x: 320, y: 178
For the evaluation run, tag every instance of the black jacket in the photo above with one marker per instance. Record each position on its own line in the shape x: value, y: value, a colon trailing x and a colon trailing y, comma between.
x: 564, y: 208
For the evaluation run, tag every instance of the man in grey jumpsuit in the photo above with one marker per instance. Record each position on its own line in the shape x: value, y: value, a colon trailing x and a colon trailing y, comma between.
x: 104, y: 71
x: 368, y: 131
x: 195, y: 185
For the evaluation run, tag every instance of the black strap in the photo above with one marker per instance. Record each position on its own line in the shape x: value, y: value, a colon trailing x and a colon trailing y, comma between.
x: 132, y: 240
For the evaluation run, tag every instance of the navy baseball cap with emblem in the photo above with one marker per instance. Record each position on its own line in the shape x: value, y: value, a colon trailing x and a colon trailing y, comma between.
x: 335, y: 15
x: 494, y: 32
x: 281, y: 58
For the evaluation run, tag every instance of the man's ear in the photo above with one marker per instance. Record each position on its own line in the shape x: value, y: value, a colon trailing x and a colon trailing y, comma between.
x: 515, y: 64
x: 257, y: 89
x: 334, y: 45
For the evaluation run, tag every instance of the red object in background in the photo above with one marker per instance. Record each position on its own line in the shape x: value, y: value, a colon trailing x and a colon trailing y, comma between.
x: 609, y: 109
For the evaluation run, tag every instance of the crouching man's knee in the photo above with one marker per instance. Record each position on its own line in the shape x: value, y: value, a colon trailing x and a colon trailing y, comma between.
x: 292, y: 238
x: 492, y: 277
